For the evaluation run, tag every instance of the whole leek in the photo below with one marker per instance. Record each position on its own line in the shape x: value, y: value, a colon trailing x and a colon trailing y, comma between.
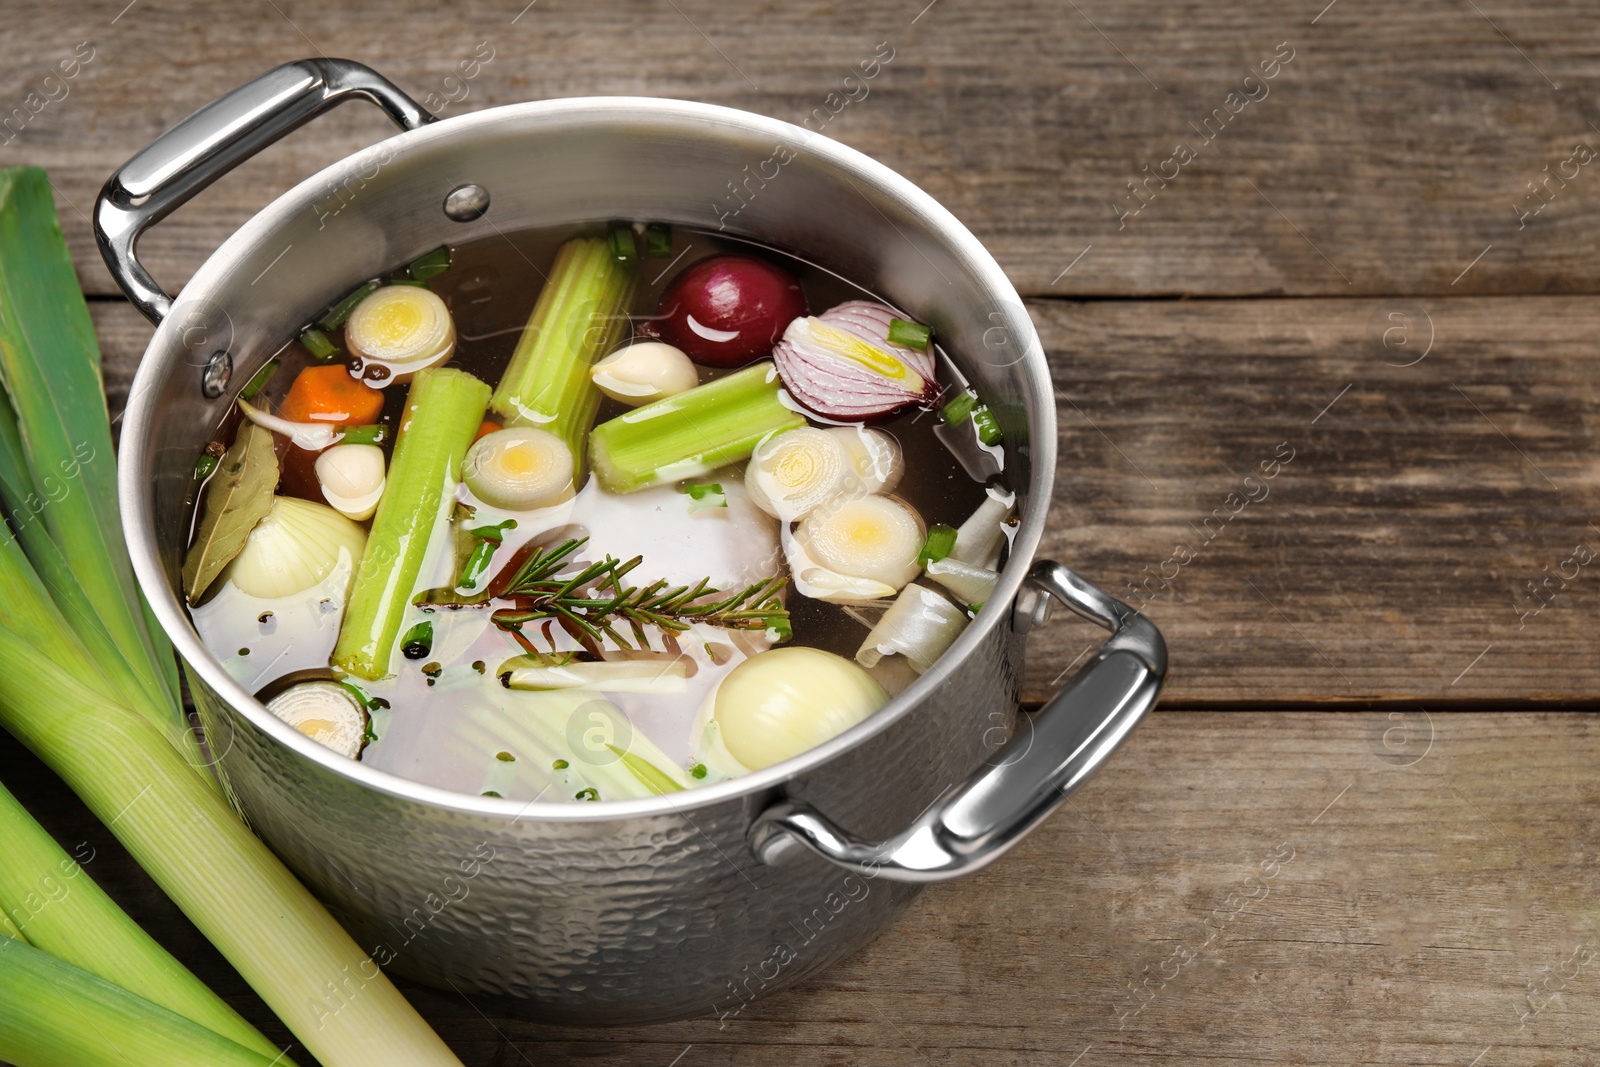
x: 59, y: 908
x: 53, y: 1014
x: 239, y: 895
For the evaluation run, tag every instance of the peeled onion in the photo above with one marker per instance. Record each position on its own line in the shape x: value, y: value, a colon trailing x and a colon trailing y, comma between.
x: 919, y: 625
x: 876, y: 456
x: 871, y: 537
x: 643, y: 373
x: 326, y: 712
x: 352, y: 479
x: 778, y: 704
x: 519, y: 468
x: 791, y: 474
x: 399, y: 330
x: 294, y: 547
x: 842, y: 365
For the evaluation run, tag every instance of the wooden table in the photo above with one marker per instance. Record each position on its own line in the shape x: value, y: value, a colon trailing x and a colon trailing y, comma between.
x: 1360, y: 828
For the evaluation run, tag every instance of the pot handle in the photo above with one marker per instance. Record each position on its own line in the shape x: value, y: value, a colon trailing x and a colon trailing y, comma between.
x: 214, y: 140
x: 1070, y: 737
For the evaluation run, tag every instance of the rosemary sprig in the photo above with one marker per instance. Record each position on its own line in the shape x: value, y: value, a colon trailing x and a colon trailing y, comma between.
x: 595, y: 604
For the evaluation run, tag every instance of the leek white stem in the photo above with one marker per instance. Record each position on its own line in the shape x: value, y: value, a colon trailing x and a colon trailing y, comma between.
x: 654, y: 675
x: 792, y: 474
x: 873, y: 537
x: 326, y: 712
x: 981, y: 537
x: 814, y: 580
x: 878, y: 462
x: 403, y: 328
x: 971, y: 585
x: 919, y: 625
x: 519, y: 468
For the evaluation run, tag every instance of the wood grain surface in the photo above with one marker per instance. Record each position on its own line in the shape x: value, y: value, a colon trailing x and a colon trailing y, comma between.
x: 1361, y: 829
x: 1383, y: 157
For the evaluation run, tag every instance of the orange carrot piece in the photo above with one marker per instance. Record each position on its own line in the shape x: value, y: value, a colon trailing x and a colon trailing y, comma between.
x: 487, y: 427
x: 330, y: 394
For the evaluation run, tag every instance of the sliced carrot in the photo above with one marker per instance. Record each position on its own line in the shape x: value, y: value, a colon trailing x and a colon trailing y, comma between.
x: 330, y: 394
x: 486, y: 428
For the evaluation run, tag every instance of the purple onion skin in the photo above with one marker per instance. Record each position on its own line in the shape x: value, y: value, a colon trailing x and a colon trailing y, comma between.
x: 728, y: 294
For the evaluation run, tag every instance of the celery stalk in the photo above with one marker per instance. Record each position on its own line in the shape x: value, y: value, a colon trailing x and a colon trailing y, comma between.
x: 59, y: 909
x: 53, y: 1014
x: 690, y: 434
x: 579, y: 316
x: 443, y: 412
x: 239, y: 895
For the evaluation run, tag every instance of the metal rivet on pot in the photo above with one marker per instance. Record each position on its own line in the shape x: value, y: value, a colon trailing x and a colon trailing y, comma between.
x: 466, y: 203
x: 1032, y: 608
x: 219, y: 368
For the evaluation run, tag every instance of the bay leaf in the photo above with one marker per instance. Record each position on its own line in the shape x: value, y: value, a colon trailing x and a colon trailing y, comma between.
x: 239, y: 496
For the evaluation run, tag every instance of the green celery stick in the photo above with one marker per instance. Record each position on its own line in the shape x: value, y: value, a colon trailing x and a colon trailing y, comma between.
x: 443, y: 411
x: 58, y: 908
x: 693, y: 433
x: 54, y: 1013
x: 579, y: 316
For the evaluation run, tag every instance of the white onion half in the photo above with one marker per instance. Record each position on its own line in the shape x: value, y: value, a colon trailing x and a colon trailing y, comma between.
x: 791, y: 474
x: 919, y: 625
x: 352, y: 479
x: 645, y: 372
x: 873, y: 537
x: 295, y: 546
x: 404, y: 328
x: 519, y: 468
x: 778, y: 704
x: 326, y: 712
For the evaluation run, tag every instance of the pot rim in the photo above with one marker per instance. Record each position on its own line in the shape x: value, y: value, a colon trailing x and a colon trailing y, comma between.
x: 135, y: 477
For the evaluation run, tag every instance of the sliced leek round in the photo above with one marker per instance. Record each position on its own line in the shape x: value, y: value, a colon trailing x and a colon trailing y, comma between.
x: 294, y: 547
x: 519, y: 468
x: 871, y: 537
x: 352, y: 479
x: 402, y: 328
x: 878, y: 464
x: 326, y: 712
x: 792, y: 474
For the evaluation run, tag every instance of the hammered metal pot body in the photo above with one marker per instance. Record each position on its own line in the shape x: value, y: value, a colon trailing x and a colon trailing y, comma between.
x: 625, y: 911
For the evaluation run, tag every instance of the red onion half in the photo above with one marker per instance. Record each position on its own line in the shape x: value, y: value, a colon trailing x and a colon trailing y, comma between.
x: 840, y: 364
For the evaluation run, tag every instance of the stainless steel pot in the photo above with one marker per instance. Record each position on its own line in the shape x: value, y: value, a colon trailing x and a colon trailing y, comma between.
x: 626, y: 911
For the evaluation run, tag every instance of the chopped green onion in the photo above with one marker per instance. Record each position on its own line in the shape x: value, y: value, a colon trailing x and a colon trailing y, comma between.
x: 959, y: 409
x: 316, y: 342
x: 204, y: 466
x: 560, y: 765
x: 491, y: 793
x: 253, y: 387
x: 623, y: 247
x: 706, y: 495
x: 658, y: 240
x: 988, y: 428
x: 505, y: 757
x: 697, y: 771
x: 649, y: 775
x: 418, y: 641
x: 587, y: 794
x: 430, y: 263
x: 443, y: 410
x: 580, y: 314
x: 489, y: 538
x: 372, y: 434
x: 341, y: 311
x: 909, y: 334
x: 692, y: 433
x: 941, y: 541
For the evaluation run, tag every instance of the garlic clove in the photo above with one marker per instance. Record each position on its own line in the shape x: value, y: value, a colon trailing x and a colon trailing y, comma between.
x: 645, y: 372
x: 352, y: 479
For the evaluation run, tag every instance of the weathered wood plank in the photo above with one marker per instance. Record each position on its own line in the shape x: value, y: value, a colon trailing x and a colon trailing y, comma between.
x: 1395, y: 542
x: 1376, y: 887
x: 1393, y: 147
